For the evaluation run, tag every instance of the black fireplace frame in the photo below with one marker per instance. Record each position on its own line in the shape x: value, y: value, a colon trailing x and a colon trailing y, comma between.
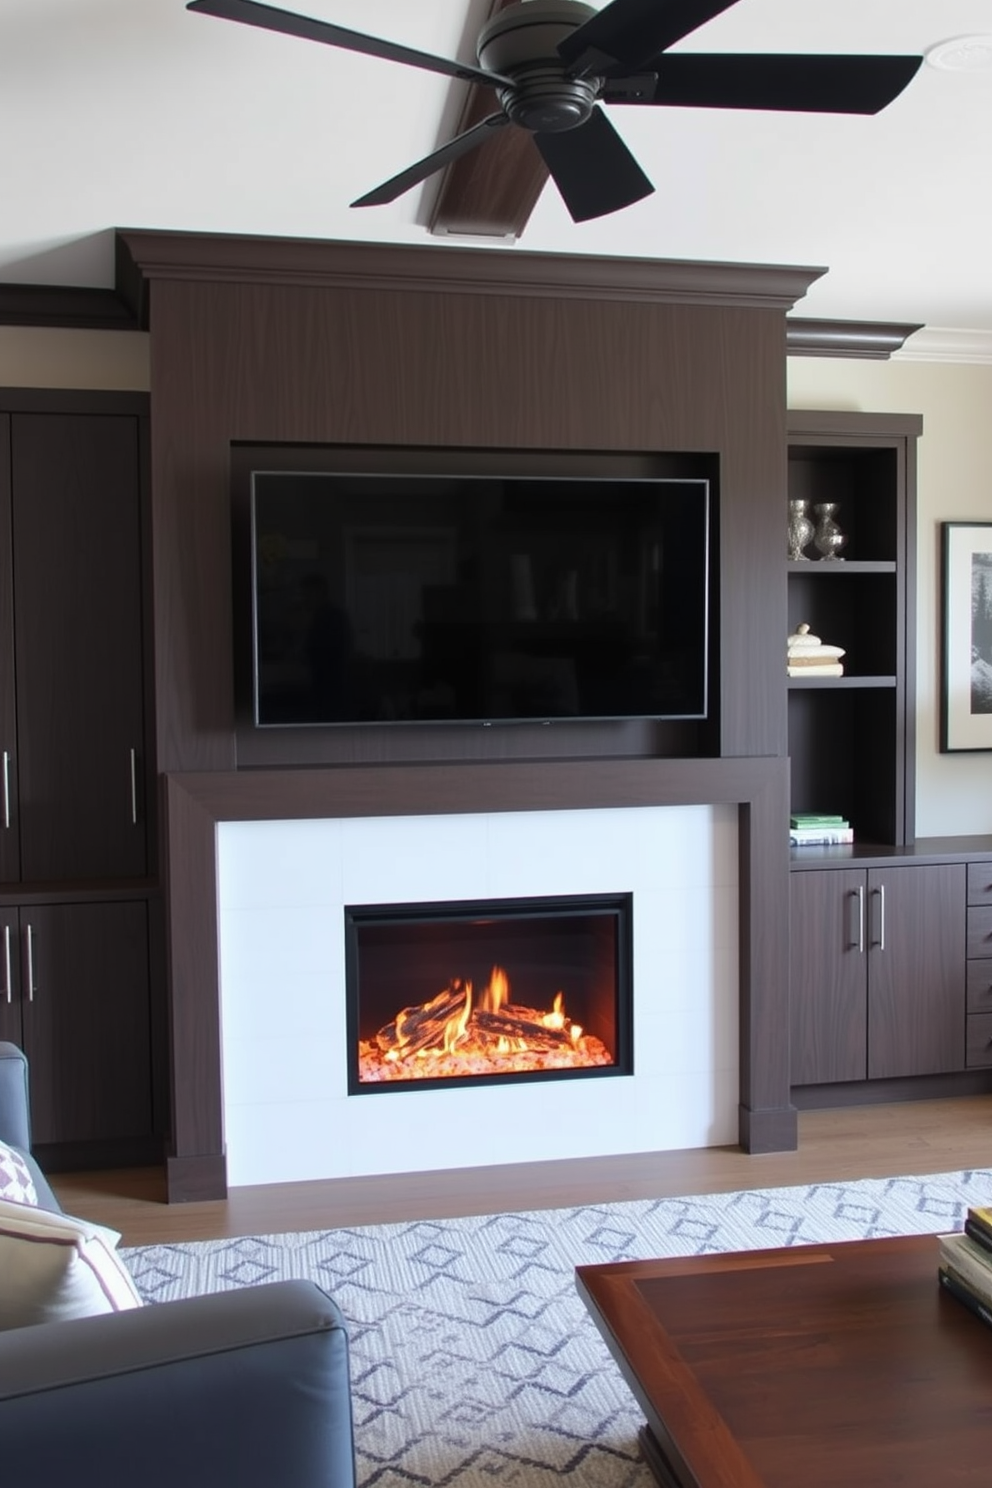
x: 542, y: 906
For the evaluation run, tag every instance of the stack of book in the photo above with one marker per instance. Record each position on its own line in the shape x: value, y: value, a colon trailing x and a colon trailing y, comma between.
x: 808, y: 829
x: 965, y: 1263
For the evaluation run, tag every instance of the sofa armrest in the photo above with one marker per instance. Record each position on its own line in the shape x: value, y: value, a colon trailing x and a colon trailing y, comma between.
x: 249, y: 1387
x: 15, y: 1120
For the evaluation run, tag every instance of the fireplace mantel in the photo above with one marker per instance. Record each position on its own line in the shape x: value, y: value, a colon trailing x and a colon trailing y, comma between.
x: 195, y: 803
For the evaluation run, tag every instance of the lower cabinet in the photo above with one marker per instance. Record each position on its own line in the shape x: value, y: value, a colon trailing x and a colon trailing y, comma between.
x: 877, y: 972
x: 74, y: 993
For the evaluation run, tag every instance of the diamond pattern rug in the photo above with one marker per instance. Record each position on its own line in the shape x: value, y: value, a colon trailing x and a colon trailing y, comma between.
x: 473, y: 1359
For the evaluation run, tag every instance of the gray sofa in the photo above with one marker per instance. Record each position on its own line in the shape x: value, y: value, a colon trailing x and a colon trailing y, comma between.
x: 248, y: 1388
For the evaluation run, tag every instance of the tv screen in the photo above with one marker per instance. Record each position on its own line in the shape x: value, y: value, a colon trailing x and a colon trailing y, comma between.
x: 387, y: 599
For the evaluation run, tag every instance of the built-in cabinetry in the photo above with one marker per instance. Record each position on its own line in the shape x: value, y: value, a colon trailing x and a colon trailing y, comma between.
x: 877, y: 972
x: 76, y: 827
x: 879, y: 983
x: 979, y: 970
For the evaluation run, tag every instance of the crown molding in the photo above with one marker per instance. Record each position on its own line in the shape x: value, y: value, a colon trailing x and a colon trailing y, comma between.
x: 944, y: 344
x: 244, y: 259
x: 863, y: 339
x: 144, y: 256
x: 65, y: 307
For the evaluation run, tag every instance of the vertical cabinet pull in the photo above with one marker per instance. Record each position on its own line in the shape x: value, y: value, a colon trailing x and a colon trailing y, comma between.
x: 879, y: 939
x: 861, y: 921
x: 134, y: 788
x: 6, y: 965
x: 6, y: 789
x: 29, y: 949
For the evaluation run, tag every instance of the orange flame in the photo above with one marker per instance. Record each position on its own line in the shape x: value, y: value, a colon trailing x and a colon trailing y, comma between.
x: 456, y: 1032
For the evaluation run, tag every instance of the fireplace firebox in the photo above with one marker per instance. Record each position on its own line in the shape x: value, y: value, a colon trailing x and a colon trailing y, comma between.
x: 505, y: 990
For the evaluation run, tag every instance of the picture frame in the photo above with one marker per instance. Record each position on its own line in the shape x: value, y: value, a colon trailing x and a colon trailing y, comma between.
x: 966, y: 652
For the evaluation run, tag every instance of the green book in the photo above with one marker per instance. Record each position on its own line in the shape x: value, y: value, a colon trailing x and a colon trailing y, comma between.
x: 810, y: 819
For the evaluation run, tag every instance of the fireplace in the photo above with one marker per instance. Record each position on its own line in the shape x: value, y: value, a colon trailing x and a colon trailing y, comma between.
x: 503, y: 990
x: 283, y: 887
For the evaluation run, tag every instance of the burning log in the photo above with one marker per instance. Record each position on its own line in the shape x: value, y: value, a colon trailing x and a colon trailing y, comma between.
x: 521, y: 1023
x: 453, y: 1034
x: 419, y: 1027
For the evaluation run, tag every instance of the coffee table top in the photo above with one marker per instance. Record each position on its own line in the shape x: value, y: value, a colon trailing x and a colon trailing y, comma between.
x: 808, y: 1367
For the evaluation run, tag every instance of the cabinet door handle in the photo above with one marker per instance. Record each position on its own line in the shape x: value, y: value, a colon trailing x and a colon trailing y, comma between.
x: 134, y: 789
x: 29, y: 947
x: 879, y: 940
x: 6, y: 964
x: 861, y: 921
x: 6, y: 789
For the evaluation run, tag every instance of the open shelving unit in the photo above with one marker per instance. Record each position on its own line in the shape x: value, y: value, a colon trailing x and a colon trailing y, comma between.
x: 851, y: 738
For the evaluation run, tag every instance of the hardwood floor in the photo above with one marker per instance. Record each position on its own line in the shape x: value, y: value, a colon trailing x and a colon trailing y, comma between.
x: 855, y: 1142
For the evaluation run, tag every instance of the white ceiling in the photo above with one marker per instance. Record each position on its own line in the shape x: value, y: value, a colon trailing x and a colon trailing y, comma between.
x: 136, y: 113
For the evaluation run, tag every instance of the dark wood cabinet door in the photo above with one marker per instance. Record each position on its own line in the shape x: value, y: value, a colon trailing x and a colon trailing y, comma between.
x: 10, y: 977
x: 85, y: 1012
x: 78, y: 645
x: 828, y: 976
x: 916, y: 970
x: 10, y: 855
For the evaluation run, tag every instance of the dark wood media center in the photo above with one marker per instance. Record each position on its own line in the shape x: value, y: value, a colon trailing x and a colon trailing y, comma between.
x: 549, y: 360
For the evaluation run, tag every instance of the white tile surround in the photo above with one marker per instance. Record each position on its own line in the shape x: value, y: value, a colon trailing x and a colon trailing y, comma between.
x: 281, y: 890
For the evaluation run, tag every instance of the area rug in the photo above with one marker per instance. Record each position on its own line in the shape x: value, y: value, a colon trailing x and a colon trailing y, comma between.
x: 473, y: 1359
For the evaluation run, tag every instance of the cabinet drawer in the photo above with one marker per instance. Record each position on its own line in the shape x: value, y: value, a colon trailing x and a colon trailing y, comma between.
x: 979, y: 1041
x: 980, y: 986
x: 980, y: 931
x: 980, y: 883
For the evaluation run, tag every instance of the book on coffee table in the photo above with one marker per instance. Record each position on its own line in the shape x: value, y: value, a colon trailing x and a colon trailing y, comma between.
x: 963, y: 1293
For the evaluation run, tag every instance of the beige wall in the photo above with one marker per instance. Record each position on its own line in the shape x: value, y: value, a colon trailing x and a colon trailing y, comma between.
x: 32, y: 358
x: 953, y: 791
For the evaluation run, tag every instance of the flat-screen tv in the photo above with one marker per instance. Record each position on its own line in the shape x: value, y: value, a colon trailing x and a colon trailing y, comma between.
x: 481, y: 599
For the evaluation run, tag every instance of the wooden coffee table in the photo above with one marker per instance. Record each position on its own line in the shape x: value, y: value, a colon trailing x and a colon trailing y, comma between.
x: 817, y: 1366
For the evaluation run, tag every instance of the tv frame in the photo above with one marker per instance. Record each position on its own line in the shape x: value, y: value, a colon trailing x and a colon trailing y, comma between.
x: 422, y: 740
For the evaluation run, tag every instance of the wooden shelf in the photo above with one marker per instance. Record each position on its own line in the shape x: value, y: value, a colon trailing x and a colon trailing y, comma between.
x: 838, y: 684
x: 848, y: 566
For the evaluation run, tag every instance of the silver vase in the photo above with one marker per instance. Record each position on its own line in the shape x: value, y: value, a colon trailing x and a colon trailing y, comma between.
x: 828, y: 538
x: 801, y: 529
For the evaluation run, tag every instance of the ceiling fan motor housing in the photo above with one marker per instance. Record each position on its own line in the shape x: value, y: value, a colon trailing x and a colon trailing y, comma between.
x: 521, y: 42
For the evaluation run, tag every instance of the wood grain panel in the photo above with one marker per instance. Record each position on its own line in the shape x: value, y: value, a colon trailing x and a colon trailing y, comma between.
x: 829, y: 976
x: 86, y: 1034
x: 78, y: 640
x: 425, y: 369
x: 916, y: 971
x: 10, y: 852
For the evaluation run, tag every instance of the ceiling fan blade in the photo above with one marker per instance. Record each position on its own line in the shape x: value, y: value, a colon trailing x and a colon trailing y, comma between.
x: 269, y: 18
x: 803, y: 84
x: 628, y: 33
x: 593, y: 169
x: 414, y: 174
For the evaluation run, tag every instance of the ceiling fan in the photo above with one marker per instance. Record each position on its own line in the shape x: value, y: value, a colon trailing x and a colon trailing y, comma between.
x: 552, y: 63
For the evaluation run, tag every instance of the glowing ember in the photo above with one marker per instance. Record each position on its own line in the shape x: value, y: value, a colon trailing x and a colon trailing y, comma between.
x: 457, y: 1034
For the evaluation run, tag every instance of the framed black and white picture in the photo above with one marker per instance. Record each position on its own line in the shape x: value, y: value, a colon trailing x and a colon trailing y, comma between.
x: 966, y: 680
